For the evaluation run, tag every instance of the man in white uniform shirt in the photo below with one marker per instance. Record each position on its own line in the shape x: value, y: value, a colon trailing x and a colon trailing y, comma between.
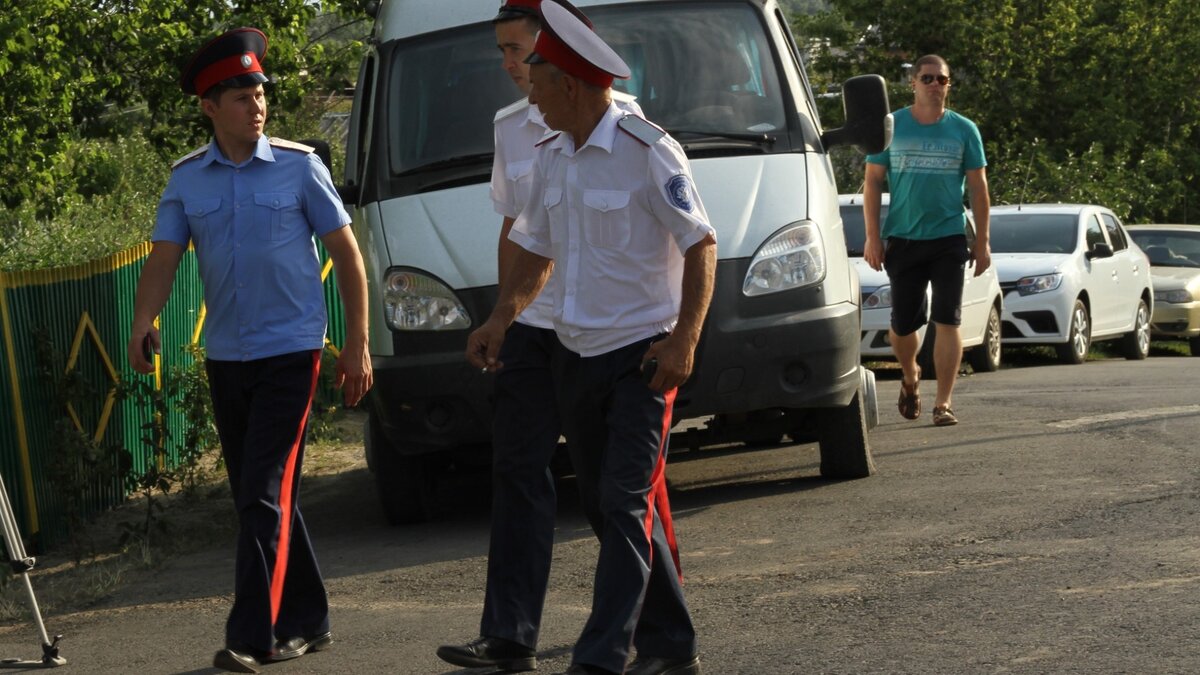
x: 525, y: 427
x: 613, y: 211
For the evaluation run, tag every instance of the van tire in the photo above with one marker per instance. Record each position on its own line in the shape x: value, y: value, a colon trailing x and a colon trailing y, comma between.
x: 1194, y: 345
x: 842, y: 436
x: 406, y: 484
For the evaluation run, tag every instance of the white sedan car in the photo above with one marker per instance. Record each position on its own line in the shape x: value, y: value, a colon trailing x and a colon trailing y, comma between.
x: 981, y: 308
x: 1071, y: 276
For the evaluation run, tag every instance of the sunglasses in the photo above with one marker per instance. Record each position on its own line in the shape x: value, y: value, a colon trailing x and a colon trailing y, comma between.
x: 929, y: 79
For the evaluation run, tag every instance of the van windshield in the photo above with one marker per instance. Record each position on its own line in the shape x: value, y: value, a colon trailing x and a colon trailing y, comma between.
x: 703, y: 71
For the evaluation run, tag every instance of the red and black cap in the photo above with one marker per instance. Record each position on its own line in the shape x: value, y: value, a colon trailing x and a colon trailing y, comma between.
x: 517, y: 9
x: 233, y: 59
x: 568, y: 41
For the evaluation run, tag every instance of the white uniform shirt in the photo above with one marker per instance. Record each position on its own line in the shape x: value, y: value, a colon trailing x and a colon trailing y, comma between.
x: 518, y: 128
x: 615, y: 215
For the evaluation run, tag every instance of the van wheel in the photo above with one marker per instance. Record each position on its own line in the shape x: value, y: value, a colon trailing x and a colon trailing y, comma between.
x: 986, y: 357
x: 842, y: 435
x: 406, y: 484
x: 1079, y: 337
x: 1135, y: 345
x: 1194, y: 343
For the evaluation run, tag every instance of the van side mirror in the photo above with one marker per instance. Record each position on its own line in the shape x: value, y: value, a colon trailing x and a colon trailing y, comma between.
x: 868, y: 124
x: 1099, y: 251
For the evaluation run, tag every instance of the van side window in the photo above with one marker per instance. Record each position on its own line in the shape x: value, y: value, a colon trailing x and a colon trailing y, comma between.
x: 1095, y: 235
x: 1115, y: 234
x: 358, y: 138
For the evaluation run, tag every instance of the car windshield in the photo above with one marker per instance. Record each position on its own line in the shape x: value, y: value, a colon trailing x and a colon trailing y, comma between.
x: 856, y: 229
x: 705, y: 72
x: 1034, y: 232
x: 1169, y: 248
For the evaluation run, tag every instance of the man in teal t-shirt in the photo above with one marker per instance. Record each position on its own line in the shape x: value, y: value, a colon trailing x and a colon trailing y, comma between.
x: 934, y: 153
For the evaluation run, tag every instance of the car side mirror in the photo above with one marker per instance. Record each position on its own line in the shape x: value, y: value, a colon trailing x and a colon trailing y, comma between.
x: 1099, y: 251
x: 868, y: 124
x: 348, y: 193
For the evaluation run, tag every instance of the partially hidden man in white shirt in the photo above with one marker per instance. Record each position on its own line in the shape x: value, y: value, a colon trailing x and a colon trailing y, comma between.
x: 525, y: 420
x: 613, y: 212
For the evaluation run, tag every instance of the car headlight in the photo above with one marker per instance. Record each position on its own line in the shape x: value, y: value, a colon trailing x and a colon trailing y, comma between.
x: 1039, y: 284
x: 882, y: 297
x: 793, y: 257
x: 1179, y: 295
x: 415, y: 301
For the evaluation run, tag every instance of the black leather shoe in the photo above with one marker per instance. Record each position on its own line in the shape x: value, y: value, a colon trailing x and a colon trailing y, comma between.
x: 652, y: 665
x: 490, y: 651
x: 235, y: 661
x: 294, y: 648
x: 584, y: 669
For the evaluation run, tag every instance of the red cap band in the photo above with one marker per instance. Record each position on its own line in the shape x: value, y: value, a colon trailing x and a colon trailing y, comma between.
x: 550, y: 47
x: 230, y: 66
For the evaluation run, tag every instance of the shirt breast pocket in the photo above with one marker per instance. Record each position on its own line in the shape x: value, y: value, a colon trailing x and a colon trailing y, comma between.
x: 519, y: 175
x: 606, y: 218
x: 276, y: 215
x: 201, y: 214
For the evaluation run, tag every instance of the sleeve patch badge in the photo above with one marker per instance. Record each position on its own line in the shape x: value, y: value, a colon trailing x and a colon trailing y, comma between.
x: 679, y: 190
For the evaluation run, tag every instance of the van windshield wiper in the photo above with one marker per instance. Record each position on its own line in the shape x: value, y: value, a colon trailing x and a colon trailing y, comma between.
x: 706, y: 137
x: 449, y: 163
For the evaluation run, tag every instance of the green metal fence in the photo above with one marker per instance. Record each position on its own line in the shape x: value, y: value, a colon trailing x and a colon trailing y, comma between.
x: 82, y: 316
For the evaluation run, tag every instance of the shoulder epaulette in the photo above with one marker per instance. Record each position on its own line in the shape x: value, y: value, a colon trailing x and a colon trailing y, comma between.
x: 198, y: 152
x: 291, y: 145
x: 646, y: 132
x: 514, y: 107
x: 622, y: 97
x: 547, y: 138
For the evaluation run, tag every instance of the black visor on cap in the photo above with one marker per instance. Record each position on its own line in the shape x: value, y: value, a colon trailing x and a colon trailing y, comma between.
x: 511, y: 13
x: 535, y: 57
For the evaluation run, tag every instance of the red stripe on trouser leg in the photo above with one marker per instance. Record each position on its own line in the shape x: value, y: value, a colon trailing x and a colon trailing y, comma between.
x: 286, y: 498
x: 657, y: 498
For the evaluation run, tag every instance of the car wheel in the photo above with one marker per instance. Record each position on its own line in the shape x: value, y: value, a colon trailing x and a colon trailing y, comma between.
x: 986, y: 357
x: 1135, y: 345
x: 1079, y: 337
x: 1194, y: 343
x: 842, y: 436
x: 407, y: 485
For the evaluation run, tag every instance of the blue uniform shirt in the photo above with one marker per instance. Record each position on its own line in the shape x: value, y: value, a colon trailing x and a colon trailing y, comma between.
x: 252, y: 227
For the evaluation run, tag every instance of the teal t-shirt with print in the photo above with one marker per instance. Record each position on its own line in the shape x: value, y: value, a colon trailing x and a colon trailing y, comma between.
x: 927, y: 168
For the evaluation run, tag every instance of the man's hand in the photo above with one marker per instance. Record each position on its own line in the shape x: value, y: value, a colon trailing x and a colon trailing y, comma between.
x: 982, y: 257
x: 873, y: 253
x: 135, y: 351
x: 483, y: 346
x: 353, y: 373
x: 675, y: 359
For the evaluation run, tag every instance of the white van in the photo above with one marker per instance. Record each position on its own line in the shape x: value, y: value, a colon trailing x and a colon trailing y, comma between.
x: 780, y: 348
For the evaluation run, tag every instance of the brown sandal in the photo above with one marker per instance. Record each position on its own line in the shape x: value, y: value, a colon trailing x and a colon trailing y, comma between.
x: 910, y: 398
x: 943, y: 416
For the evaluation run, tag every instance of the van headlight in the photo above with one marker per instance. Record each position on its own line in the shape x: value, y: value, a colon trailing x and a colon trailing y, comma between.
x: 1041, y: 283
x: 415, y: 301
x: 793, y: 257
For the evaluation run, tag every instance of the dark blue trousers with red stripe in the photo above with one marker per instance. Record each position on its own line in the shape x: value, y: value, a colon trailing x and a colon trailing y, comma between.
x: 617, y: 432
x: 261, y: 409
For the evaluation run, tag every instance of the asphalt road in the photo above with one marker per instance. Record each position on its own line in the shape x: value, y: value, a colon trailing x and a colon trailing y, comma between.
x: 1054, y: 530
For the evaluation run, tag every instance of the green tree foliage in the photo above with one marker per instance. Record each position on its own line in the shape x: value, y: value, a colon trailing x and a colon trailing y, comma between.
x: 1077, y: 100
x: 75, y: 70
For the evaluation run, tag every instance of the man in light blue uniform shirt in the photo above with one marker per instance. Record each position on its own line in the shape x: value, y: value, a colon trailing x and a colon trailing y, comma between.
x: 250, y: 206
x: 934, y: 153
